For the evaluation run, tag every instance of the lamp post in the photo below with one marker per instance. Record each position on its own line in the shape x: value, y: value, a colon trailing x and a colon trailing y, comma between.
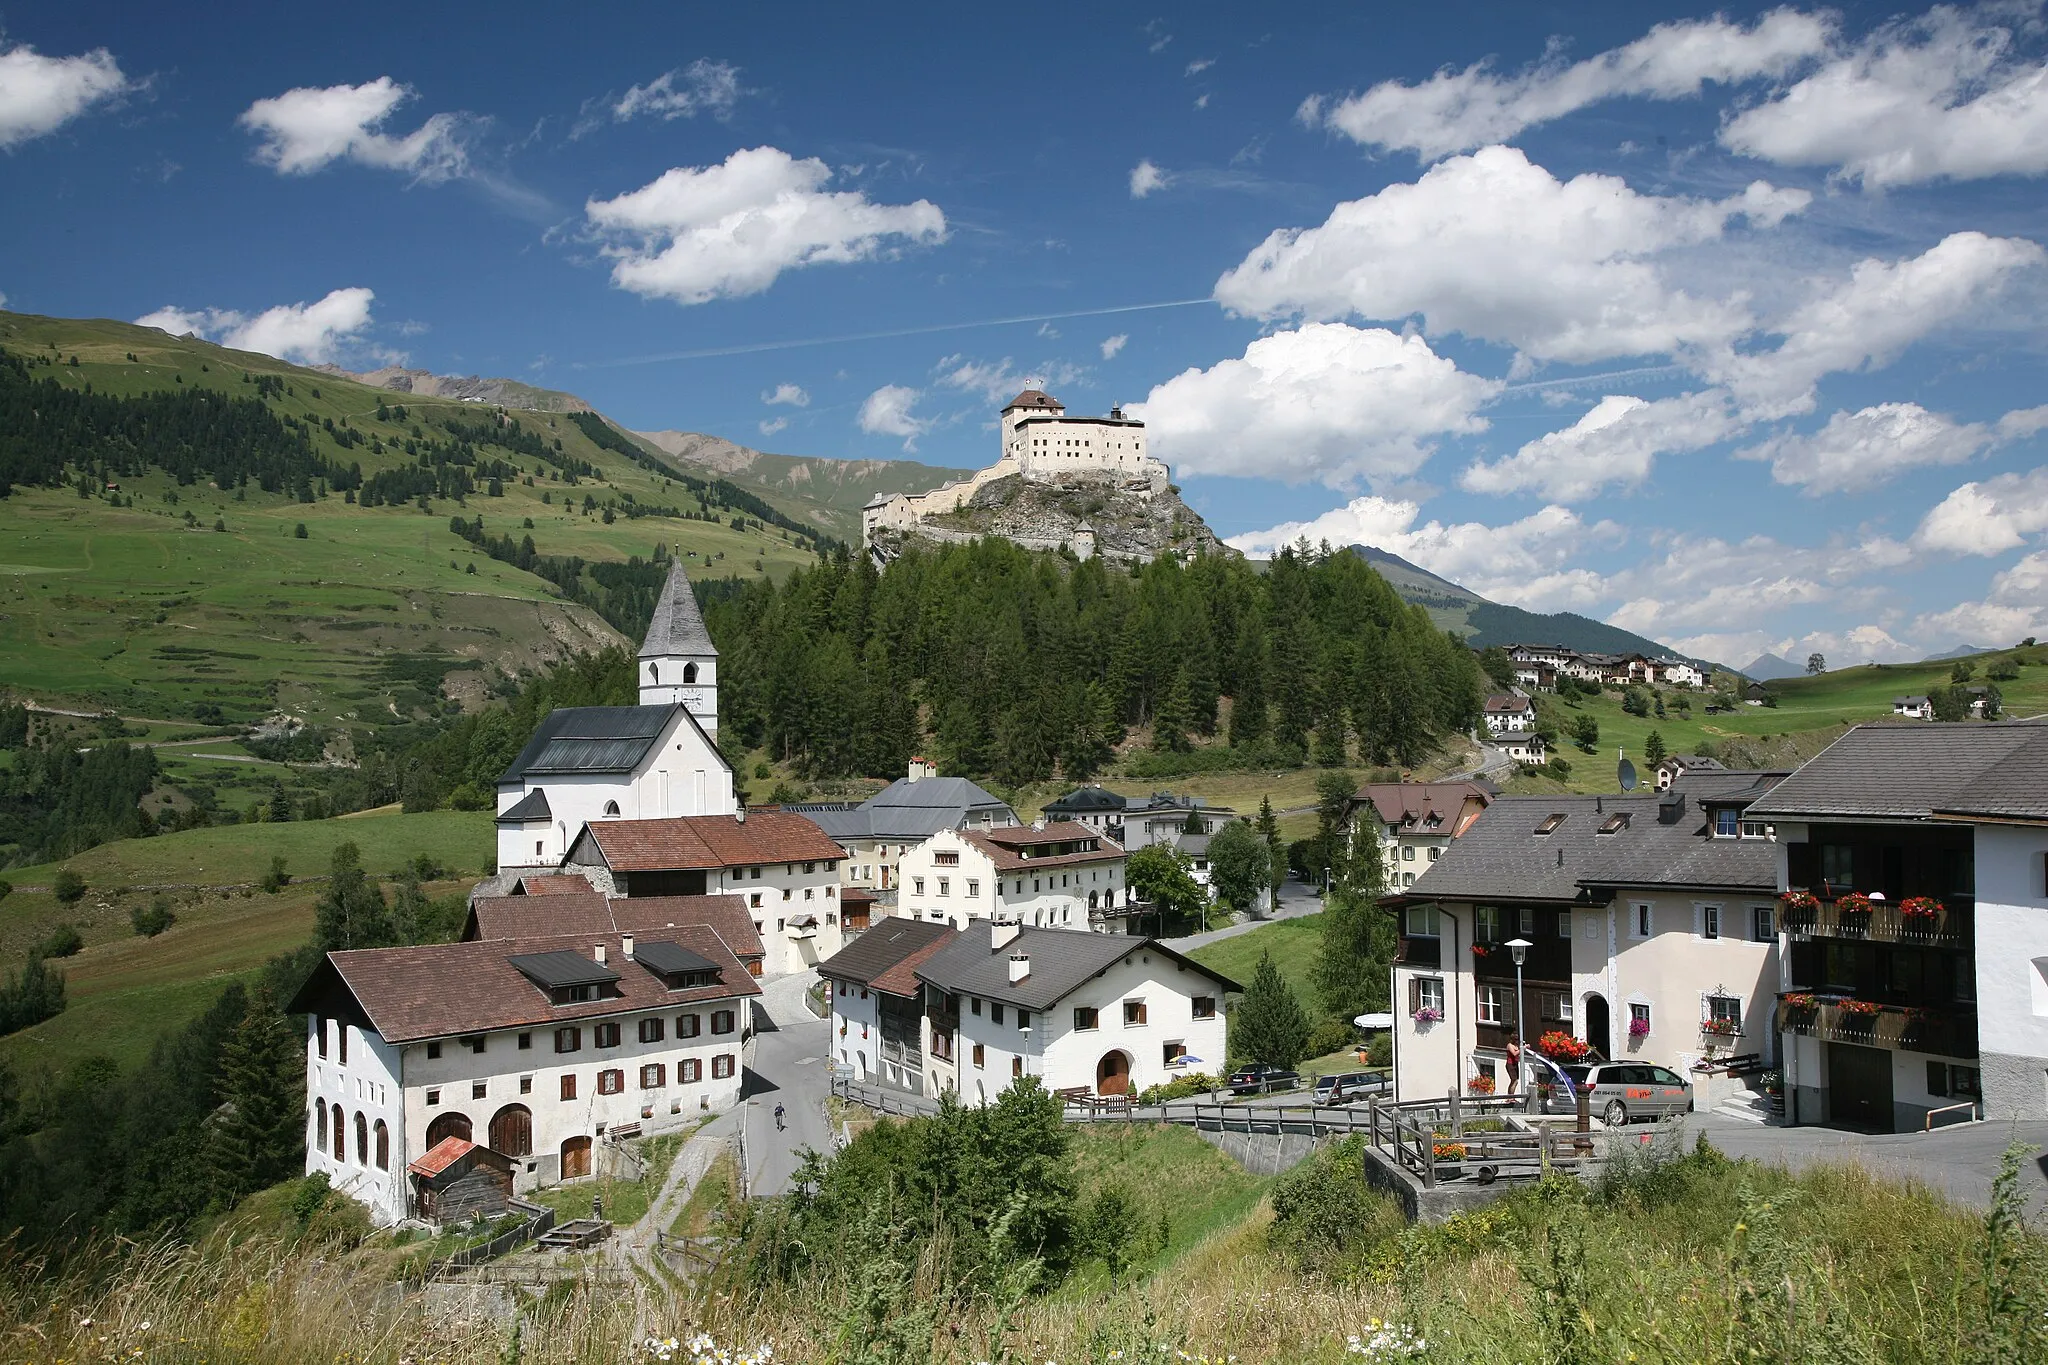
x: 1519, y: 949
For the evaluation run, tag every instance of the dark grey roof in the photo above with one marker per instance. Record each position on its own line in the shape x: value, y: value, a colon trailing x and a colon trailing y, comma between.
x: 532, y: 806
x: 678, y: 626
x: 1086, y: 799
x: 1502, y: 857
x: 1062, y: 961
x: 1693, y: 761
x: 670, y: 959
x: 914, y: 811
x: 881, y: 947
x: 562, y: 968
x: 591, y: 739
x: 2015, y: 786
x: 1907, y: 771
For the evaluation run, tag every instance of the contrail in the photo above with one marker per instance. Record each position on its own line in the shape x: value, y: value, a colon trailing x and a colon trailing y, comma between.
x: 1637, y: 372
x: 757, y: 346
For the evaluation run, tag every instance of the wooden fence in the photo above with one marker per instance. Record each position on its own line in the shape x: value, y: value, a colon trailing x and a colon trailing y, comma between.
x: 539, y: 1219
x: 1435, y: 1139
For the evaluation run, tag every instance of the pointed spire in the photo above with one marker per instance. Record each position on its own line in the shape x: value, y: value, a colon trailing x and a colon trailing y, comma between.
x: 678, y: 626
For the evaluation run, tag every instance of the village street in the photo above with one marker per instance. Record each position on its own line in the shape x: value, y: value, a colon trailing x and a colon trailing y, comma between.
x: 788, y: 1063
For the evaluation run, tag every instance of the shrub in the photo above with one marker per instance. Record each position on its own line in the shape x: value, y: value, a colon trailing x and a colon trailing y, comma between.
x: 277, y: 879
x: 1179, y: 1088
x: 1326, y: 1217
x: 6, y: 888
x: 1330, y: 1035
x: 150, y: 920
x: 1379, y: 1050
x: 62, y: 941
x: 69, y: 887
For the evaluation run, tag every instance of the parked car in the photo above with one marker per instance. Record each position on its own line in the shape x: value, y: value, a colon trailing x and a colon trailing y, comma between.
x: 1261, y: 1079
x: 1346, y: 1087
x: 1622, y: 1092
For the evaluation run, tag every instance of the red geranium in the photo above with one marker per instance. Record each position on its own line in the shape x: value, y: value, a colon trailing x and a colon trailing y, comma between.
x: 1560, y: 1046
x: 1798, y: 900
x: 1920, y: 907
x: 1855, y: 903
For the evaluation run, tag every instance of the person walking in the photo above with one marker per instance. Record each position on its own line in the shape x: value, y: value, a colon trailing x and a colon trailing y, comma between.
x: 1514, y: 1064
x: 778, y: 1118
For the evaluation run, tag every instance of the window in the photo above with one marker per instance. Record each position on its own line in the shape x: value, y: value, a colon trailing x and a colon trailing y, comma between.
x: 611, y: 808
x: 973, y: 887
x: 721, y: 1066
x: 977, y: 1054
x: 526, y: 1085
x: 383, y: 1146
x: 1134, y: 1013
x: 721, y: 1021
x: 320, y: 1031
x: 945, y: 886
x: 689, y: 1071
x: 1724, y: 1014
x: 610, y: 1082
x: 362, y: 1139
x: 917, y: 886
x: 689, y: 1025
x: 1172, y: 1052
x: 810, y: 867
x: 1558, y: 1006
x: 1491, y: 1004
x: 1838, y: 865
x: 1525, y: 922
x: 1427, y: 993
x: 1564, y: 924
x: 568, y: 1040
x: 1435, y: 853
x: 1486, y: 924
x: 1023, y: 1019
x: 569, y: 1087
x: 320, y: 1125
x: 1638, y: 1020
x: 944, y: 858
x: 475, y: 1044
x: 1755, y: 829
x: 433, y: 1049
x: 995, y: 1012
x: 1085, y: 1017
x: 1016, y: 1067
x: 754, y: 900
x: 1425, y: 921
x: 1954, y: 1082
x: 340, y: 1136
x: 433, y: 1098
x: 651, y: 1030
x: 754, y: 873
x: 653, y: 1076
x: 1407, y: 853
x: 974, y: 1004
x: 341, y: 1037
x: 1762, y: 923
x: 1639, y: 920
x: 525, y: 1042
x: 1710, y: 921
x: 1204, y: 1006
x: 477, y: 1089
x: 1727, y: 822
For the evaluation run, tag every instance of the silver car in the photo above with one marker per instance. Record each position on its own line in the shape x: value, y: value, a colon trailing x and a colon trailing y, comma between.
x: 1622, y: 1092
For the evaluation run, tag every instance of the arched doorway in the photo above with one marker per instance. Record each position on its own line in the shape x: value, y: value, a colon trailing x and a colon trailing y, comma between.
x: 512, y: 1131
x: 1113, y: 1074
x: 575, y: 1158
x: 447, y: 1126
x: 1596, y: 1024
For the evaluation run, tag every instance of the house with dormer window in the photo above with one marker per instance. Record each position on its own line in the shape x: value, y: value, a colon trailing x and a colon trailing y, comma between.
x: 1060, y: 876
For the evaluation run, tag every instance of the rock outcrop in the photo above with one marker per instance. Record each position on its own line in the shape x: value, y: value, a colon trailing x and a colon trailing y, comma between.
x: 1089, y: 516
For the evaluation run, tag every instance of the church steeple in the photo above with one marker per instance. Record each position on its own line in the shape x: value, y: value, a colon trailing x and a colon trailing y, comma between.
x: 678, y: 662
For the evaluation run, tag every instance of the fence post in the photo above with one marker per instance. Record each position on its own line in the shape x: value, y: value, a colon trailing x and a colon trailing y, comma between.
x: 1457, y: 1115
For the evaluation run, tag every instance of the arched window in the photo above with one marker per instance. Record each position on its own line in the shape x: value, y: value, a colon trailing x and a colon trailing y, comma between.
x: 689, y: 674
x: 611, y: 808
x: 362, y: 1139
x: 383, y: 1146
x: 340, y: 1135
x: 319, y: 1125
x: 654, y: 673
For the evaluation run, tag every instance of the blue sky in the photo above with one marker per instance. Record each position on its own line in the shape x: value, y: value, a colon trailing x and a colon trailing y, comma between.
x: 1727, y: 330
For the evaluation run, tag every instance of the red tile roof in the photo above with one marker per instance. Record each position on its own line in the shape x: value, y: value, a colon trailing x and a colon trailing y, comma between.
x: 710, y: 841
x: 1002, y: 845
x: 1442, y: 806
x: 505, y: 917
x: 442, y: 1155
x: 901, y: 979
x: 563, y: 885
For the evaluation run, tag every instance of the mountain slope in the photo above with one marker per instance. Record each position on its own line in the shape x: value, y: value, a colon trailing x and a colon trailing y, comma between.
x: 826, y: 492
x: 1769, y: 667
x: 471, y: 389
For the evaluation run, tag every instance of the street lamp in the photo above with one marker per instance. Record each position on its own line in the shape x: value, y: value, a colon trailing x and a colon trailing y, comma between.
x: 1519, y: 949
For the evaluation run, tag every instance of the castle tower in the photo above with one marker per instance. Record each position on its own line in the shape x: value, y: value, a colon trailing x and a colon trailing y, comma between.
x: 678, y: 662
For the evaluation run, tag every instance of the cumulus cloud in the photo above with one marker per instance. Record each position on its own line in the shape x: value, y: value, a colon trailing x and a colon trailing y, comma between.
x: 1616, y: 442
x: 1326, y: 401
x: 1495, y: 247
x: 701, y: 87
x: 309, y: 333
x: 311, y: 127
x: 1199, y: 65
x: 1866, y: 320
x: 888, y: 412
x: 1988, y: 517
x: 787, y: 395
x: 773, y: 425
x: 1111, y: 345
x: 2015, y: 607
x: 1937, y: 97
x: 1708, y: 584
x: 730, y: 230
x: 1456, y: 111
x: 39, y: 95
x: 1862, y: 450
x: 1523, y: 563
x: 999, y: 380
x: 1146, y: 177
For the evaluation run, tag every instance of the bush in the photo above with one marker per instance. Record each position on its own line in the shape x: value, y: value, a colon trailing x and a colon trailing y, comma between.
x: 1326, y: 1217
x: 1262, y: 756
x: 6, y: 888
x: 150, y: 920
x: 1331, y: 1035
x: 1379, y: 1050
x: 69, y: 887
x: 277, y: 879
x: 62, y: 941
x: 1179, y: 1088
x: 470, y: 796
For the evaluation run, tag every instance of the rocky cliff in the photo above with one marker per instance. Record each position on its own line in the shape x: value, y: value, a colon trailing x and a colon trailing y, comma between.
x: 1085, y: 515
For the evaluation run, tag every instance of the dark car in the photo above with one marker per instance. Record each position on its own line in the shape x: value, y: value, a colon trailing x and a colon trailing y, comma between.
x: 1260, y: 1079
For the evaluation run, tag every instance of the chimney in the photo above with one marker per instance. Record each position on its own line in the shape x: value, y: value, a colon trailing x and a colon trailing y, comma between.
x: 1001, y: 935
x: 919, y: 769
x: 626, y: 947
x: 1020, y: 967
x: 600, y: 953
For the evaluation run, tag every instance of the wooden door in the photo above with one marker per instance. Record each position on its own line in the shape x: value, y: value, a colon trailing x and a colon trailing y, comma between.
x: 447, y: 1126
x: 1113, y: 1074
x: 575, y: 1158
x: 1860, y: 1086
x: 512, y: 1131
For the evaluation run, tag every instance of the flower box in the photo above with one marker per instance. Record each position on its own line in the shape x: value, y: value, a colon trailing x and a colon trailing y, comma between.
x: 1638, y: 1028
x: 1479, y: 1085
x: 1858, y: 1009
x: 1855, y: 903
x: 1920, y: 907
x: 1723, y: 1028
x: 1428, y: 1015
x: 1803, y: 901
x: 1560, y: 1046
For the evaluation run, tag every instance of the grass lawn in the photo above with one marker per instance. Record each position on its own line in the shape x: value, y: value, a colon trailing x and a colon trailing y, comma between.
x: 1184, y: 1189
x: 625, y: 1201
x: 123, y: 1025
x: 1293, y: 943
x: 711, y: 1199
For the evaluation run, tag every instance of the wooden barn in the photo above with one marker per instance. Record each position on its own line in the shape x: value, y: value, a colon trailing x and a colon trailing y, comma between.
x: 457, y: 1181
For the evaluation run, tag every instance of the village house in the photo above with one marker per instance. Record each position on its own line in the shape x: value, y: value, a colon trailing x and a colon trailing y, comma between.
x: 1064, y: 876
x: 1674, y: 766
x: 1415, y: 822
x: 877, y: 833
x: 1525, y: 748
x: 592, y: 912
x: 1086, y: 1014
x: 878, y: 1034
x: 1508, y: 714
x: 1094, y: 806
x: 1915, y: 869
x: 780, y: 865
x: 1649, y: 920
x: 1168, y: 818
x: 1540, y: 666
x: 657, y: 759
x: 541, y: 1049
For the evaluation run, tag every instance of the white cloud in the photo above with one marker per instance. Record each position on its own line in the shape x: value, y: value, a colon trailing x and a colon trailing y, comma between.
x: 1000, y: 380
x: 1455, y: 111
x: 787, y: 395
x: 1111, y: 345
x: 1859, y: 644
x: 1868, y: 319
x: 1199, y: 65
x: 1146, y: 177
x: 2015, y: 608
x: 773, y: 425
x: 1616, y: 442
x: 310, y: 333
x: 308, y: 128
x: 1495, y: 247
x: 1988, y: 517
x: 3, y: 300
x: 1325, y: 401
x: 1707, y: 584
x: 1857, y: 451
x: 888, y: 412
x: 726, y: 231
x: 39, y: 95
x: 1522, y: 563
x: 701, y: 87
x: 1940, y: 96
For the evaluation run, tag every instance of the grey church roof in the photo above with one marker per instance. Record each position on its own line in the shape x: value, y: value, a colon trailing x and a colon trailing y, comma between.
x: 591, y: 739
x: 532, y: 806
x: 1062, y: 961
x: 913, y: 811
x: 1910, y: 771
x: 678, y: 626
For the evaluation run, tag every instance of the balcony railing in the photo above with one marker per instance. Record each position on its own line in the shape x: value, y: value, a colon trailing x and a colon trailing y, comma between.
x: 1883, y: 922
x: 1900, y: 1028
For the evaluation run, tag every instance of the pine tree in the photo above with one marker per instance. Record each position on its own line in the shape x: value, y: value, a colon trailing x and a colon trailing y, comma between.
x: 1276, y: 852
x: 1653, y: 748
x: 1248, y: 703
x: 1170, y: 724
x: 1329, y: 750
x: 257, y: 1136
x: 1355, y: 962
x: 1269, y: 1025
x: 351, y: 912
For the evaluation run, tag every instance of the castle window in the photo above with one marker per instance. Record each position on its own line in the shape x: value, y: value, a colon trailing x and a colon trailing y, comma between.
x: 689, y: 674
x: 654, y: 673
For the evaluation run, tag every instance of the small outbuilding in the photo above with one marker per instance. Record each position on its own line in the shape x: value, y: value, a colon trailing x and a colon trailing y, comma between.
x: 457, y: 1181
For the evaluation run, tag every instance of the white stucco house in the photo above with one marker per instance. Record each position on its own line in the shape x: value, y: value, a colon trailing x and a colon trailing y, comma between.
x: 1505, y: 713
x: 1066, y: 876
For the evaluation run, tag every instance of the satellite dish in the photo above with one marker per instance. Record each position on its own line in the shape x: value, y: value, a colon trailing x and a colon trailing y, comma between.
x: 1627, y: 775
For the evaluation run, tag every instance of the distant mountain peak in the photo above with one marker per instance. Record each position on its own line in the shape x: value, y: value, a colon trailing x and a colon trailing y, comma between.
x: 1768, y: 667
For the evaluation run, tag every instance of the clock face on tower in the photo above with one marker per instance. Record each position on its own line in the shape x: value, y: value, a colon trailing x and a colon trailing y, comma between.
x: 695, y: 698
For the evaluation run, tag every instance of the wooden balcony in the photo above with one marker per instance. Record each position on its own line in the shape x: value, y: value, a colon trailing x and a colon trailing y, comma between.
x: 1420, y: 952
x: 1898, y: 1028
x: 1950, y: 927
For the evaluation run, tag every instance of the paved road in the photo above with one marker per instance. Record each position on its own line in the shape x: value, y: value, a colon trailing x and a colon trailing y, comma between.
x: 789, y: 1064
x: 1296, y: 899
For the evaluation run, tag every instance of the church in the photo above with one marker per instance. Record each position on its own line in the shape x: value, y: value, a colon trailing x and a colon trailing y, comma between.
x: 647, y: 762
